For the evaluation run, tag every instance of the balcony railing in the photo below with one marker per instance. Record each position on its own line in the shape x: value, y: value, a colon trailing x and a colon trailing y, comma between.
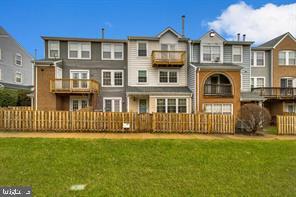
x: 276, y: 92
x: 74, y: 86
x: 168, y: 58
x: 223, y: 90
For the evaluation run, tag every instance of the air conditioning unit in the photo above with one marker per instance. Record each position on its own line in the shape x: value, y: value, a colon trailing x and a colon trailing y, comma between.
x: 217, y: 59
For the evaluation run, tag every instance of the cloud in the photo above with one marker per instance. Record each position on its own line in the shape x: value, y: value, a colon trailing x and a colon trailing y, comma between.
x: 260, y: 24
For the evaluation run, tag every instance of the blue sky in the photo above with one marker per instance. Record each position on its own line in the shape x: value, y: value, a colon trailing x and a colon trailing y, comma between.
x: 28, y: 20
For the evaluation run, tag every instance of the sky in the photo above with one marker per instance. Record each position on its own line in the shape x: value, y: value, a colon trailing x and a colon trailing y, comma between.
x: 260, y: 20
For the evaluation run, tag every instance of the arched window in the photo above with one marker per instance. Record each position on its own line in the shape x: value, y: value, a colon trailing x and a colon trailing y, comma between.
x: 218, y: 85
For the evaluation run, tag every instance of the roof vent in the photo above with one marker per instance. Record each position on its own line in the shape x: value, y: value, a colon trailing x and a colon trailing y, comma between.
x: 244, y: 37
x: 238, y: 37
x: 103, y: 33
x: 212, y: 34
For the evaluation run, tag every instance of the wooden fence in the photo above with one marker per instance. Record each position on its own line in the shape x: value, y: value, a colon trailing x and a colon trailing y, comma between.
x: 286, y: 125
x: 28, y: 120
x: 16, y: 108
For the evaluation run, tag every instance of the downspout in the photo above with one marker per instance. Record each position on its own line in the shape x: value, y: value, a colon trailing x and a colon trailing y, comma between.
x: 36, y: 86
x: 271, y: 68
x: 197, y: 90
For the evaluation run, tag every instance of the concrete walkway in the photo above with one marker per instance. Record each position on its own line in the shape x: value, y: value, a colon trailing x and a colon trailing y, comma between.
x: 139, y: 136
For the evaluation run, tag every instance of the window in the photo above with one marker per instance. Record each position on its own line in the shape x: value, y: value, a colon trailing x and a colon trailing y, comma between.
x: 171, y: 105
x: 142, y: 49
x: 112, y: 51
x: 18, y: 59
x: 53, y: 49
x: 168, y: 77
x: 287, y: 57
x: 290, y: 107
x: 112, y: 78
x: 257, y: 82
x: 76, y: 76
x: 18, y: 77
x: 78, y: 103
x: 218, y: 108
x: 258, y: 58
x: 287, y: 82
x: 142, y: 76
x: 112, y: 104
x: 211, y: 53
x: 79, y: 50
x: 237, y: 53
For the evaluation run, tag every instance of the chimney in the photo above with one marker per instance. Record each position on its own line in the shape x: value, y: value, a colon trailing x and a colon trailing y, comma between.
x: 183, y: 25
x: 244, y: 37
x: 238, y: 37
x: 103, y: 33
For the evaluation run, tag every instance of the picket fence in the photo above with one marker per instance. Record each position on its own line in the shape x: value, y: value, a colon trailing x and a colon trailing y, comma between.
x: 62, y: 121
x: 286, y: 125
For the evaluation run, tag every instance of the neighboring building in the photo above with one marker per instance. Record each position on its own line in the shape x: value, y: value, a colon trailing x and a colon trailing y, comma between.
x: 79, y: 72
x: 157, y: 73
x: 274, y: 73
x: 218, y: 72
x: 16, y: 68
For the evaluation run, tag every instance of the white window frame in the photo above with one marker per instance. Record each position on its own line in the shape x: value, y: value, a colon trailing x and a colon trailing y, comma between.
x: 0, y: 54
x: 146, y: 76
x: 48, y: 48
x: 18, y: 54
x: 256, y: 82
x: 74, y: 70
x: 79, y: 103
x: 211, y: 45
x: 79, y: 55
x: 177, y: 104
x: 287, y: 57
x: 255, y: 59
x: 204, y: 107
x: 112, y: 45
x: 242, y: 53
x: 138, y: 49
x: 112, y: 103
x: 18, y: 72
x: 112, y: 78
x: 168, y: 76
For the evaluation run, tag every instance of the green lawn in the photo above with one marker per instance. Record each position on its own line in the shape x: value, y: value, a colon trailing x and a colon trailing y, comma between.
x: 271, y: 130
x: 150, y: 167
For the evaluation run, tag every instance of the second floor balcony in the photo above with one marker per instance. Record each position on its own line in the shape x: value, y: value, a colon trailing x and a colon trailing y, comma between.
x: 276, y: 92
x: 168, y: 58
x: 221, y: 90
x: 76, y: 86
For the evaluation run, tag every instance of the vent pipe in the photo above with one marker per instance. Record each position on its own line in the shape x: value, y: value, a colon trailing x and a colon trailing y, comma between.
x: 244, y: 37
x: 103, y: 33
x: 183, y: 25
x: 238, y: 37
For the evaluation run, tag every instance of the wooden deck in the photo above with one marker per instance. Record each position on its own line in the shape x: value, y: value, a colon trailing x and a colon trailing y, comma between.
x: 79, y: 86
x: 168, y: 58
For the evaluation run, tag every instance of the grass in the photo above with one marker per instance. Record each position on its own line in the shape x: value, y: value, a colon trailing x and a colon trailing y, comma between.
x: 271, y: 130
x: 150, y: 167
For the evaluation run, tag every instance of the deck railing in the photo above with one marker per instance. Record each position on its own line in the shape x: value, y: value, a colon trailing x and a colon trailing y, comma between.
x: 74, y: 86
x: 276, y: 92
x: 224, y: 90
x: 168, y: 58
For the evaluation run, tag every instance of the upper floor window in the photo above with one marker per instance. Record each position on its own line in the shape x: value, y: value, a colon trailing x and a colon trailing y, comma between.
x: 142, y: 48
x: 18, y: 59
x: 18, y: 77
x: 287, y: 57
x: 237, y: 54
x: 79, y: 50
x: 112, y: 51
x: 257, y: 82
x: 211, y: 54
x: 142, y: 76
x: 112, y: 78
x: 53, y: 49
x: 168, y: 77
x: 258, y: 58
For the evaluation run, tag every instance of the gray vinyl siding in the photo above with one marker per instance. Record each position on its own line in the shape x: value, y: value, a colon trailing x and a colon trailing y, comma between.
x: 264, y: 71
x: 9, y: 48
x: 196, y: 53
x: 192, y: 85
x: 227, y: 54
x: 95, y: 67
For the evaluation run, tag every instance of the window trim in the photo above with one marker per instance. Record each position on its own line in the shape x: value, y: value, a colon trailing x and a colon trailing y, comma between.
x: 18, y: 72
x: 210, y: 45
x: 146, y: 49
x: 48, y: 49
x: 112, y: 78
x: 242, y: 53
x: 177, y: 104
x: 112, y: 57
x: 79, y: 51
x: 255, y: 81
x: 285, y: 107
x: 138, y: 76
x: 286, y: 57
x: 255, y: 59
x: 204, y: 107
x: 168, y: 71
x: 112, y: 103
x: 78, y: 70
x: 18, y: 54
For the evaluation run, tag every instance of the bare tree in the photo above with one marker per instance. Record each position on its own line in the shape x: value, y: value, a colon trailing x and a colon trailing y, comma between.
x: 254, y: 117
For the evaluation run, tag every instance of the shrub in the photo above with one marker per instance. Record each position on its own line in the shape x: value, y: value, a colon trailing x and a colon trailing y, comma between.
x: 254, y: 118
x: 13, y: 97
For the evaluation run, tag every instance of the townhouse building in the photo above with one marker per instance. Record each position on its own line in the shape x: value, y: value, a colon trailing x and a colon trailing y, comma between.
x: 219, y: 71
x: 157, y: 73
x: 81, y: 73
x: 16, y: 68
x: 273, y: 73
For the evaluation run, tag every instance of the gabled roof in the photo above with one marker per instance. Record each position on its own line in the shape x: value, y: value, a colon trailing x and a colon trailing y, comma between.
x: 274, y: 42
x: 82, y: 39
x: 171, y: 30
x: 3, y: 31
x: 214, y: 32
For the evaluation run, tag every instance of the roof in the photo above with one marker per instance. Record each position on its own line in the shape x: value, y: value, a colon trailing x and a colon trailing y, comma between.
x: 171, y: 30
x: 82, y: 39
x: 272, y: 43
x: 16, y: 86
x: 157, y: 90
x: 47, y: 61
x: 3, y: 31
x: 251, y: 96
x: 217, y: 66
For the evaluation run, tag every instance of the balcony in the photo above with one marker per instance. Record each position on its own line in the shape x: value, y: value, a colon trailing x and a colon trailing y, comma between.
x: 79, y: 86
x: 220, y: 90
x: 276, y: 92
x: 168, y: 58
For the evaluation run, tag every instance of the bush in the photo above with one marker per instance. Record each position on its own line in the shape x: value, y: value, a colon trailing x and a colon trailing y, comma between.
x: 254, y: 118
x: 12, y: 97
